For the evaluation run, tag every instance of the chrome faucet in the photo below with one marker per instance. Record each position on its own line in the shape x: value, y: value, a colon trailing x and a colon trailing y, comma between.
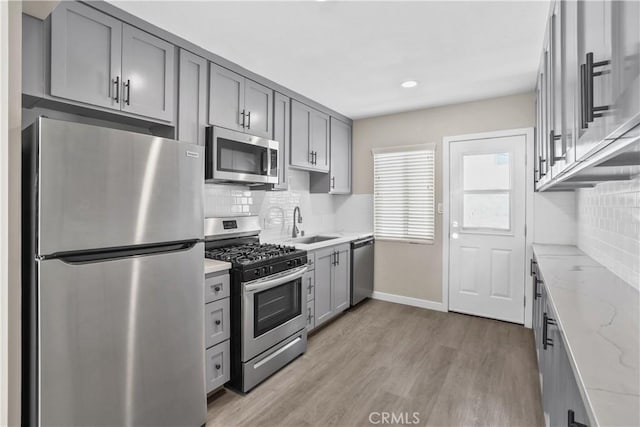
x: 295, y: 232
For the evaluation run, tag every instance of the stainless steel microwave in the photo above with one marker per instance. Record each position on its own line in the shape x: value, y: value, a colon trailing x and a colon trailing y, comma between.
x: 232, y: 156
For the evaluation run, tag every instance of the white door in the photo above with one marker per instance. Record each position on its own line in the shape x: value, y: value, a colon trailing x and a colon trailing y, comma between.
x: 487, y: 229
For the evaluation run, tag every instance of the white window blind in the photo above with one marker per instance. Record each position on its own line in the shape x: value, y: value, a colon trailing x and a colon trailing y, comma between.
x: 404, y: 194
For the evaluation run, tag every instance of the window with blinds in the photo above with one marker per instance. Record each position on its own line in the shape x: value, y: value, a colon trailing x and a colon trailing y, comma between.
x: 404, y: 194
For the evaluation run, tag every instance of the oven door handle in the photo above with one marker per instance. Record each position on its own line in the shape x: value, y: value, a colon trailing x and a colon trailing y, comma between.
x: 276, y: 280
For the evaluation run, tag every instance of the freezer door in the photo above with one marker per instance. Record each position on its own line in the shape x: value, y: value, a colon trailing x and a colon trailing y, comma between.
x: 104, y: 188
x: 122, y: 341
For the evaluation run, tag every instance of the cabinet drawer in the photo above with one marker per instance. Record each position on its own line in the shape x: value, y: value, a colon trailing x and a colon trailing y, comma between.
x: 311, y: 260
x: 311, y: 319
x: 216, y: 322
x: 218, y: 367
x: 309, y: 284
x: 216, y: 286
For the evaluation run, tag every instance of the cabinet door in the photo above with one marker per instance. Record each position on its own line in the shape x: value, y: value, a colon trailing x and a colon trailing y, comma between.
x: 85, y: 55
x: 281, y: 133
x: 258, y: 104
x: 147, y: 74
x: 341, y: 281
x: 192, y: 98
x: 557, y: 135
x: 626, y: 61
x: 319, y: 141
x: 594, y: 41
x: 323, y: 298
x: 300, y: 135
x: 226, y: 99
x: 340, y: 182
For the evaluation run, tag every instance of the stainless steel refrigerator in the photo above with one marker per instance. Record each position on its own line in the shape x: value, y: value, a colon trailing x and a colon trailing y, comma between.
x: 113, y: 278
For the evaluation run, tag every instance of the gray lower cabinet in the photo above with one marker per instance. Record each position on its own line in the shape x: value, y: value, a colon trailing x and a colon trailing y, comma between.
x: 332, y: 274
x: 238, y: 103
x: 282, y: 134
x: 309, y: 138
x: 192, y: 98
x: 338, y: 180
x: 218, y: 369
x: 561, y: 396
x: 98, y: 60
x: 217, y: 329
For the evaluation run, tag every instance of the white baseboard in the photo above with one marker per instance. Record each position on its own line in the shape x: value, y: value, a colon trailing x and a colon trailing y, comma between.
x: 414, y: 302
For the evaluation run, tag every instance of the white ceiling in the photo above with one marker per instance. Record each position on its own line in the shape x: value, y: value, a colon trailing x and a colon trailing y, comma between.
x: 352, y: 56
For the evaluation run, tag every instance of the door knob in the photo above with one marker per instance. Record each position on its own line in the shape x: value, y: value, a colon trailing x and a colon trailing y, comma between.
x: 454, y: 224
x: 454, y: 235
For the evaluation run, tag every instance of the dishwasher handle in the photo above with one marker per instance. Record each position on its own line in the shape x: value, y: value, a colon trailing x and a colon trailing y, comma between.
x: 361, y: 243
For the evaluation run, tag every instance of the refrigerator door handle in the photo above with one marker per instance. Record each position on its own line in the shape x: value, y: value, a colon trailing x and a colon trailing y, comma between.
x: 101, y: 255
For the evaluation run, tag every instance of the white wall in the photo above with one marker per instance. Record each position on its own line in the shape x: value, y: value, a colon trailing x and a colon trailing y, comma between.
x: 10, y: 142
x: 609, y: 227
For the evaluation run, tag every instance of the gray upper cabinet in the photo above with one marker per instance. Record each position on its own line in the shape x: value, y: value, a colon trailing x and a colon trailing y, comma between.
x: 340, y: 157
x: 258, y: 102
x: 85, y: 55
x: 98, y: 60
x: 281, y: 133
x: 625, y: 67
x: 239, y: 103
x: 594, y: 57
x: 226, y: 102
x: 147, y: 74
x: 309, y: 138
x: 338, y: 180
x: 192, y: 98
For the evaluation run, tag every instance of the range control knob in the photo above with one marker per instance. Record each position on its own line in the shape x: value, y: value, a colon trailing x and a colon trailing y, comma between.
x: 265, y: 270
x: 257, y: 272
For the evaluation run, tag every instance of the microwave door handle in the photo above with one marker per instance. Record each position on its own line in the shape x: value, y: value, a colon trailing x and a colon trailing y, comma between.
x: 272, y: 282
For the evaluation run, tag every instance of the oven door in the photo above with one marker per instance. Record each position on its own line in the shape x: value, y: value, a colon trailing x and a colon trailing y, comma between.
x: 272, y: 310
x: 239, y: 157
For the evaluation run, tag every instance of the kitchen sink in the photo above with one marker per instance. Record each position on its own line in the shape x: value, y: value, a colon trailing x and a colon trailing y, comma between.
x: 313, y: 239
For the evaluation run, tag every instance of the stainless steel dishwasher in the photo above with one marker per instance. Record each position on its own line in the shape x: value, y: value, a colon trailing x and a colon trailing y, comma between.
x: 362, y: 252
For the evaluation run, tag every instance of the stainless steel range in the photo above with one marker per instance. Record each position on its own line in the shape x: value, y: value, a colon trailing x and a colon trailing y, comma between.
x: 267, y: 303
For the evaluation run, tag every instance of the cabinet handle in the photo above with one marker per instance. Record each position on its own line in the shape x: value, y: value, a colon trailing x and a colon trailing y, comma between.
x: 218, y: 366
x: 249, y: 120
x: 309, y: 285
x: 243, y: 119
x: 315, y: 157
x: 333, y: 182
x: 338, y: 255
x: 308, y: 314
x: 311, y: 157
x: 532, y: 265
x: 552, y: 140
x: 593, y: 112
x: 571, y: 420
x: 127, y: 99
x: 537, y: 294
x: 546, y: 321
x: 540, y: 162
x: 116, y: 82
x: 583, y: 96
x: 218, y: 322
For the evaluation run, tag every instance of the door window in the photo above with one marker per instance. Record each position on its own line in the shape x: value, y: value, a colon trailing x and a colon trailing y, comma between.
x: 486, y: 199
x: 234, y: 156
x: 276, y: 306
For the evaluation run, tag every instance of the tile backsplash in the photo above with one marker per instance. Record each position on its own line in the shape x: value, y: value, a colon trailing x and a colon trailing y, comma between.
x: 275, y: 208
x: 609, y: 227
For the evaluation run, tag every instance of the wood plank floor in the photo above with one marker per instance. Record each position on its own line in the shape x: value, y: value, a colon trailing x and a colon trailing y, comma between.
x: 454, y: 370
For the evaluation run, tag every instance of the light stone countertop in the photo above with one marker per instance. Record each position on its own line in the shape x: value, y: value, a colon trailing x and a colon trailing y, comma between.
x: 215, y: 266
x: 340, y: 238
x: 598, y: 314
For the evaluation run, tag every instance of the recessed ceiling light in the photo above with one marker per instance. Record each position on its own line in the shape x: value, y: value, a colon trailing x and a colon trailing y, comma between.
x: 409, y: 83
